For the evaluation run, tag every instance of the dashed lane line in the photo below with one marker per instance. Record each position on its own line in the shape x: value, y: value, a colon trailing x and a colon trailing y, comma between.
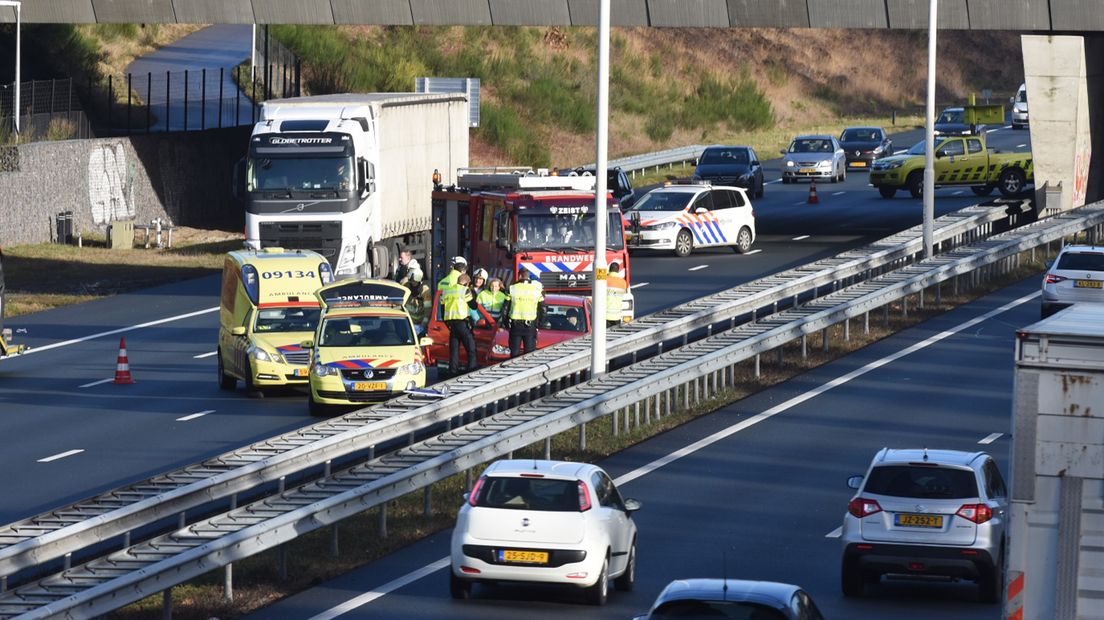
x: 193, y: 416
x: 95, y: 383
x: 836, y: 533
x: 697, y: 268
x: 750, y: 252
x: 800, y: 237
x: 203, y: 355
x: 639, y: 284
x: 838, y: 193
x: 991, y: 438
x: 121, y: 330
x: 59, y: 456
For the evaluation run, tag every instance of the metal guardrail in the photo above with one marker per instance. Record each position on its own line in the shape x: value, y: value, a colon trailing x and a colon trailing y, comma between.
x: 152, y: 566
x: 657, y: 159
x: 40, y: 539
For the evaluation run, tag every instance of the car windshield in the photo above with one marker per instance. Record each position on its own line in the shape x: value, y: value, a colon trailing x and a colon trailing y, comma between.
x: 1082, y: 261
x: 918, y: 148
x: 564, y: 319
x: 713, y: 157
x: 811, y: 145
x: 276, y: 320
x: 1021, y: 97
x: 922, y: 481
x: 663, y: 201
x: 366, y: 331
x: 565, y: 231
x: 544, y: 494
x: 728, y: 610
x: 860, y: 134
x: 299, y: 173
x: 951, y: 116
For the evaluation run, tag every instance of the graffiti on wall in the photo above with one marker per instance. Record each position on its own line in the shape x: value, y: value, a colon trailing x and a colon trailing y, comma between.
x: 109, y: 184
x: 1081, y: 175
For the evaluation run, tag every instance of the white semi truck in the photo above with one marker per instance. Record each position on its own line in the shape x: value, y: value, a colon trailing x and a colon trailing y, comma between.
x: 350, y: 175
x: 1055, y: 551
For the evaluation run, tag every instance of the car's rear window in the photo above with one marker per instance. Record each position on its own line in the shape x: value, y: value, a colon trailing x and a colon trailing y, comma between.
x: 921, y: 481
x: 730, y: 610
x: 1083, y: 261
x: 529, y: 494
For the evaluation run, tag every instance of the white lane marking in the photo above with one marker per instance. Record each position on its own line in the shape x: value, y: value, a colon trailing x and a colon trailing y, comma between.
x: 774, y: 181
x: 639, y: 284
x: 899, y: 151
x: 959, y: 193
x: 697, y: 268
x: 750, y: 252
x: 991, y: 438
x: 839, y: 193
x: 800, y: 203
x: 386, y: 588
x: 690, y: 449
x: 121, y: 330
x: 203, y: 355
x: 797, y: 400
x: 59, y: 456
x: 836, y: 533
x: 1020, y: 146
x: 195, y: 415
x: 998, y: 129
x: 800, y: 237
x: 101, y: 381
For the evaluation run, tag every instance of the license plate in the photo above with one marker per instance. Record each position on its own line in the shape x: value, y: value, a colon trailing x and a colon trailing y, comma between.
x: 911, y: 520
x: 807, y: 171
x: 523, y: 557
x: 369, y: 386
x: 859, y: 164
x: 300, y: 372
x: 1089, y: 284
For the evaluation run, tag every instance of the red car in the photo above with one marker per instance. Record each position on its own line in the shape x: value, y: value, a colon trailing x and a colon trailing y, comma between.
x: 565, y: 317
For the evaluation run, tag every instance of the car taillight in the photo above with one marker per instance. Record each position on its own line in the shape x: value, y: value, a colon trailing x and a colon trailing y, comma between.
x: 861, y: 507
x: 473, y: 497
x: 978, y: 513
x: 1054, y: 279
x: 584, y: 497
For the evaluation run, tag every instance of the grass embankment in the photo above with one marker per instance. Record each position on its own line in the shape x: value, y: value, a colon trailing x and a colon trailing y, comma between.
x: 310, y: 557
x: 44, y: 276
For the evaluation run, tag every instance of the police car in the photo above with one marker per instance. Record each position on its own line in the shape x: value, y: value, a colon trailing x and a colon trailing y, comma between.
x: 683, y: 217
x: 365, y: 348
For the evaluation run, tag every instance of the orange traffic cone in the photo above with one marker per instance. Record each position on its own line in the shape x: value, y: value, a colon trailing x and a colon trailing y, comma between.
x: 122, y: 367
x: 812, y: 193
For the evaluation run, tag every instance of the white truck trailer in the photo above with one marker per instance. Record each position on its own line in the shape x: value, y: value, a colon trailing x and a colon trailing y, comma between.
x: 1055, y: 553
x: 350, y: 175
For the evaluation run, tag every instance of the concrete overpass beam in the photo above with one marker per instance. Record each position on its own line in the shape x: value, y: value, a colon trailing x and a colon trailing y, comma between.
x: 1065, y: 81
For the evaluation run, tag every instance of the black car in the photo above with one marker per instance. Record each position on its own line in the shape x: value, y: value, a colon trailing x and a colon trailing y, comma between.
x: 863, y: 145
x: 734, y: 166
x: 617, y: 183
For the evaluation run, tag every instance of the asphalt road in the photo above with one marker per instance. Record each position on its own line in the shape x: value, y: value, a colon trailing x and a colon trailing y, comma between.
x: 58, y: 400
x: 765, y: 500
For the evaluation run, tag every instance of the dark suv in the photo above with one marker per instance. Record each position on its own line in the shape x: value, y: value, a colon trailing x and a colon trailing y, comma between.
x: 735, y: 166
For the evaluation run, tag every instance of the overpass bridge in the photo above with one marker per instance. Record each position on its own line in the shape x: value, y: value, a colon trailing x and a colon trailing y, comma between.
x: 1062, y: 44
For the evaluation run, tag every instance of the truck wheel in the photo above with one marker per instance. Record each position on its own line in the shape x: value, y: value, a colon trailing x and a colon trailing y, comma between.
x: 684, y: 243
x: 915, y: 184
x: 887, y: 191
x: 982, y: 190
x: 743, y: 241
x: 1011, y: 182
x: 226, y: 382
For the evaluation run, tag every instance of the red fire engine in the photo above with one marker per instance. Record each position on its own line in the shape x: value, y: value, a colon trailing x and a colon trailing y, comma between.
x: 506, y: 219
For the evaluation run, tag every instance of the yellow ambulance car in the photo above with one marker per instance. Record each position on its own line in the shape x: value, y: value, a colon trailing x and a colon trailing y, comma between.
x: 365, y: 348
x: 268, y: 309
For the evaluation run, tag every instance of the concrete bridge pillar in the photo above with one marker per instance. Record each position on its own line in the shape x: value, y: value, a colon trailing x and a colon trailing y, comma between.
x: 1065, y: 93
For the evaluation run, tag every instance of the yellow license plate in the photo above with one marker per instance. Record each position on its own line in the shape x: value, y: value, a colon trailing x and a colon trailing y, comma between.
x: 301, y: 372
x: 911, y: 520
x: 859, y: 164
x: 526, y: 557
x: 1089, y: 284
x: 807, y: 171
x: 369, y: 386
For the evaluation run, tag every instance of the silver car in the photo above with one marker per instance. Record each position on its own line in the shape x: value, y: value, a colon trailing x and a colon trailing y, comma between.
x: 1075, y: 276
x: 817, y: 157
x: 732, y: 598
x: 926, y: 512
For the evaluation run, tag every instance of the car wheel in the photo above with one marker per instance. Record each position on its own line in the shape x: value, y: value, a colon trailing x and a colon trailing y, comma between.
x: 982, y: 190
x: 762, y: 189
x: 991, y: 581
x: 226, y: 382
x: 743, y: 241
x: 684, y: 243
x: 316, y: 408
x: 851, y: 580
x: 598, y: 593
x: 460, y: 589
x: 786, y: 181
x: 251, y: 388
x: 843, y: 173
x: 625, y: 582
x: 887, y: 191
x: 915, y: 184
x: 1011, y: 182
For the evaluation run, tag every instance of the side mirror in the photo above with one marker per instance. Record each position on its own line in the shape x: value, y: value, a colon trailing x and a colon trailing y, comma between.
x: 366, y: 182
x: 632, y: 505
x: 425, y: 341
x: 237, y: 331
x: 754, y: 163
x: 307, y: 344
x: 466, y: 495
x: 855, y: 482
x: 783, y: 151
x: 701, y: 210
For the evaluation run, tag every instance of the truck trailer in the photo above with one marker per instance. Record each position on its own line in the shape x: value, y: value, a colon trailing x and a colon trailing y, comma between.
x: 1055, y: 555
x: 350, y: 175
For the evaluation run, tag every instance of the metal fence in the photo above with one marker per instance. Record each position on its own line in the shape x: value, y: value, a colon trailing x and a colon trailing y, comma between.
x: 48, y: 109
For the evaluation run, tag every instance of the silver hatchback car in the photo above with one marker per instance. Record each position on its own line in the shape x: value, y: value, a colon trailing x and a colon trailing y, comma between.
x: 926, y: 512
x: 814, y: 157
x: 1075, y: 276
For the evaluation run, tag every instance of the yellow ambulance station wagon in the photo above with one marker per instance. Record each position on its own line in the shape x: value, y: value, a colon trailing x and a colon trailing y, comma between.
x: 365, y: 348
x: 268, y: 309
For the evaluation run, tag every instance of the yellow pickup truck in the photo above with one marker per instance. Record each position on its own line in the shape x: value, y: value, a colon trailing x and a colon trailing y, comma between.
x: 959, y: 160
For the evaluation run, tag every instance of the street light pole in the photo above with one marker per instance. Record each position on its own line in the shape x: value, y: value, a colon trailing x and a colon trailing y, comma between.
x: 598, y: 305
x: 929, y: 137
x: 18, y: 5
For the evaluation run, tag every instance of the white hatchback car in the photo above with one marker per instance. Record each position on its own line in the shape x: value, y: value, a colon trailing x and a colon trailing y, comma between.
x: 546, y: 522
x: 1075, y: 276
x: 683, y: 217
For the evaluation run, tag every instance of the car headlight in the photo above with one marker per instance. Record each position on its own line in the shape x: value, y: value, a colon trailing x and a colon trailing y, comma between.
x: 412, y: 368
x: 259, y: 354
x: 500, y: 350
x: 789, y: 164
x: 664, y: 225
x: 322, y: 370
x: 887, y: 165
x: 346, y: 263
x: 824, y: 163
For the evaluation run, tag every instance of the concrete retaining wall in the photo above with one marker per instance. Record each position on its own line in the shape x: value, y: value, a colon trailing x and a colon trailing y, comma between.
x: 183, y: 177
